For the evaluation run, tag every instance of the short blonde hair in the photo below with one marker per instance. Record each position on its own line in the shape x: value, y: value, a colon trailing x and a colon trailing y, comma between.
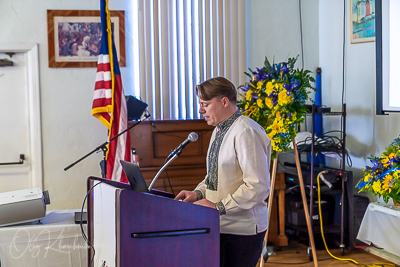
x: 215, y: 87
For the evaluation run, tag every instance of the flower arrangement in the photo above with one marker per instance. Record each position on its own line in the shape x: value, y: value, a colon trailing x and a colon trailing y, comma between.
x: 383, y: 178
x: 275, y: 97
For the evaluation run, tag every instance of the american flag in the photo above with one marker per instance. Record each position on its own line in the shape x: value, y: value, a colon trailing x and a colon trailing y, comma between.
x: 109, y: 104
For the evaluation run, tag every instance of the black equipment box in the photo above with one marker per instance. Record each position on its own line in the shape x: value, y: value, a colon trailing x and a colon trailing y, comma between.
x: 333, y: 175
x: 296, y: 217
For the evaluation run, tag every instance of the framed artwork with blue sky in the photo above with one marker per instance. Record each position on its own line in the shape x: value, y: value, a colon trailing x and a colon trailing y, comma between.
x: 362, y: 21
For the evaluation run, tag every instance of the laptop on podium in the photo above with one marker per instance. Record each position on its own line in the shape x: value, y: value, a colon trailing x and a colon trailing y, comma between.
x: 134, y: 176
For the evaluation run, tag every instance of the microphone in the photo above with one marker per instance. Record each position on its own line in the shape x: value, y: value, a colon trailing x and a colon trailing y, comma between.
x: 174, y: 154
x: 177, y: 151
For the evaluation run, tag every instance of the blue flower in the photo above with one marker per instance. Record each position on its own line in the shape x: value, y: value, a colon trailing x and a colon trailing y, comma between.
x: 294, y: 83
x: 283, y: 70
x: 377, y: 165
x: 274, y: 96
x: 260, y: 74
x: 245, y: 88
x: 392, y: 161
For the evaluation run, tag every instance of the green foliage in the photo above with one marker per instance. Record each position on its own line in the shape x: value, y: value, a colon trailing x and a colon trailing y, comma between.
x: 275, y: 97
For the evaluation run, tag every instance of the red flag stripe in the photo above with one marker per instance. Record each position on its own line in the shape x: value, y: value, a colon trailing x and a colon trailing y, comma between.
x: 102, y: 96
x: 120, y: 147
x: 109, y: 104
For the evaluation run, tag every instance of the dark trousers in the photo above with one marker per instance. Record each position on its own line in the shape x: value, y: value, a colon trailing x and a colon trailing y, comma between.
x: 240, y: 250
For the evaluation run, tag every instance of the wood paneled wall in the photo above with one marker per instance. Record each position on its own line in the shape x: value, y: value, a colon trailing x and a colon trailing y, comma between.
x: 154, y: 141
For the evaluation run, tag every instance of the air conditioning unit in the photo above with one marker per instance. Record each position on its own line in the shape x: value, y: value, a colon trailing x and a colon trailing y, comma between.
x: 22, y: 206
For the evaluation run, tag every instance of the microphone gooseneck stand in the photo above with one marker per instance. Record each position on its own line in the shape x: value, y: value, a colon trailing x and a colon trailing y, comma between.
x: 103, y: 147
x: 174, y: 154
x: 163, y: 168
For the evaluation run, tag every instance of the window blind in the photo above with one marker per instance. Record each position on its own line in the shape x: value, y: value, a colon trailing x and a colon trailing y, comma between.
x: 182, y: 43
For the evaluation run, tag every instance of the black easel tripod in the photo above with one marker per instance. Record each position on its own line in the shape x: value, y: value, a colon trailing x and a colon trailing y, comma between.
x: 103, y: 147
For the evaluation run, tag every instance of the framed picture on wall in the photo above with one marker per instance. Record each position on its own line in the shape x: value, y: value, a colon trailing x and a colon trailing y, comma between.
x: 362, y: 21
x: 74, y: 37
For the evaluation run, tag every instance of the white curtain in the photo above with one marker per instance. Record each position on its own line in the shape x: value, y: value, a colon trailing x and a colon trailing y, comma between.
x: 185, y: 42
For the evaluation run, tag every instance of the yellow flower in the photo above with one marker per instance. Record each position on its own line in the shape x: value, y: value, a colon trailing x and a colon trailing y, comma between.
x: 249, y: 95
x: 388, y: 183
x: 276, y: 127
x: 376, y: 186
x: 386, y: 159
x: 268, y: 102
x: 280, y: 121
x: 283, y: 98
x: 269, y: 88
x: 259, y: 85
x: 396, y: 175
x: 252, y: 110
x: 367, y: 178
x: 294, y: 116
x: 260, y: 103
x: 279, y: 86
x: 274, y: 146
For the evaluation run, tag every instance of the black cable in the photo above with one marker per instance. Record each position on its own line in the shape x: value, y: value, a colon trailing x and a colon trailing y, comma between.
x: 166, y: 172
x: 333, y: 131
x: 81, y: 224
x: 325, y: 143
x: 301, y: 37
x: 322, y: 144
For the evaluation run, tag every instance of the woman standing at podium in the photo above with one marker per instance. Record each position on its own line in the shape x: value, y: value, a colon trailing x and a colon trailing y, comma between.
x: 238, y: 180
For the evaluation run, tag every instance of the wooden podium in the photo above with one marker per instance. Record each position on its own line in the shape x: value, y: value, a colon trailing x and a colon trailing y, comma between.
x: 128, y: 228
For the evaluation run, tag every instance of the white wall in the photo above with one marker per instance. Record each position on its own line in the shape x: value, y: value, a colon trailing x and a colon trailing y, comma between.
x: 273, y: 30
x: 367, y: 133
x: 69, y: 131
